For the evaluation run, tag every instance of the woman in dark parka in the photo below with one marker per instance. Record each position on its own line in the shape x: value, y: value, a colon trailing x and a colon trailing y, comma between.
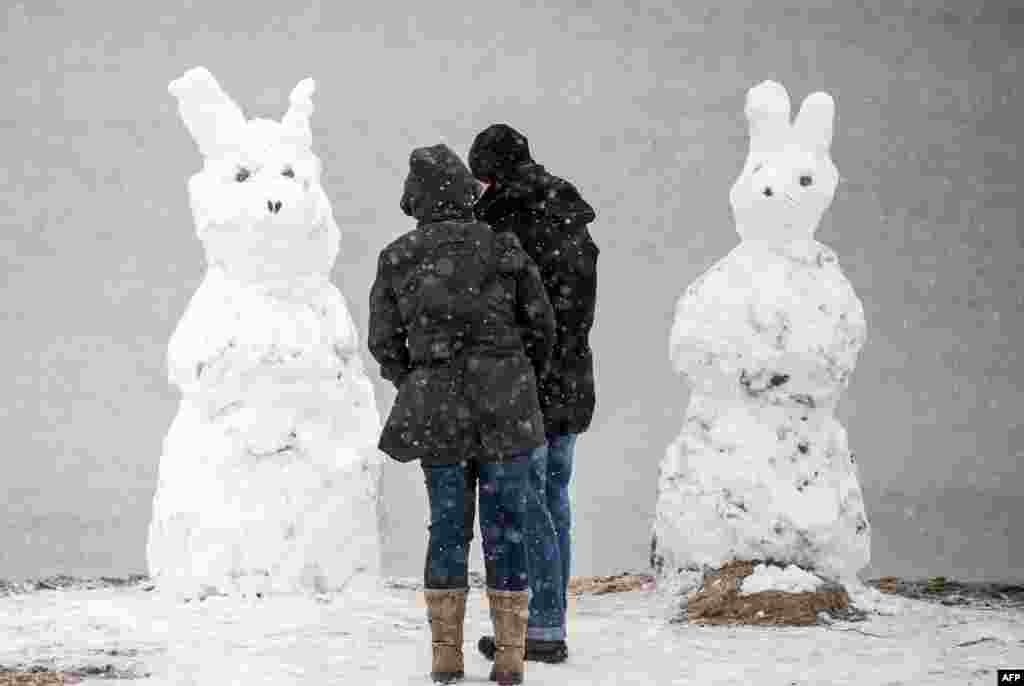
x: 461, y: 324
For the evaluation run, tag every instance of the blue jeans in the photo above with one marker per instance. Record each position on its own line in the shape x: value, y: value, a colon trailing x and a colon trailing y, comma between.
x: 548, y: 544
x: 503, y: 498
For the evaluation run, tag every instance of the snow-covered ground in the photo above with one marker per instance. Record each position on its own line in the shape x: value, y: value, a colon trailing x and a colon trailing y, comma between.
x: 376, y: 634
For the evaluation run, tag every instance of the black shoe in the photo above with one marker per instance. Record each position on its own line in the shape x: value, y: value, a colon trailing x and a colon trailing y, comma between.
x: 486, y: 647
x: 551, y: 652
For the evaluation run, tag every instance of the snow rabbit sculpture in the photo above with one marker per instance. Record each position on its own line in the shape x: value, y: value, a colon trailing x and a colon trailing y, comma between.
x: 269, y: 475
x: 768, y: 337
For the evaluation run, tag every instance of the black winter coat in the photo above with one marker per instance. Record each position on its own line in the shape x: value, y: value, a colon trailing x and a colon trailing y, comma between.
x: 459, y: 322
x: 550, y: 218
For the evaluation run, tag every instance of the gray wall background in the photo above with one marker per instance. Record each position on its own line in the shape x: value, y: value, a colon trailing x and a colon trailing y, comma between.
x: 641, y: 107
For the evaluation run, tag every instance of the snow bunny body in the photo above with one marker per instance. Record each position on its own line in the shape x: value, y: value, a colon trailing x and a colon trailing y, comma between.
x: 269, y: 475
x: 768, y: 337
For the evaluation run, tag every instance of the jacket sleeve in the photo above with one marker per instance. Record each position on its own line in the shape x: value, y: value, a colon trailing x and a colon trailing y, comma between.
x: 571, y: 282
x: 387, y: 334
x: 565, y: 205
x: 535, y: 316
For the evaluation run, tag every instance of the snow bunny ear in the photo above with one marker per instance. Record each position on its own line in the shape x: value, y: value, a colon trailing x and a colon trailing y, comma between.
x: 213, y: 119
x: 296, y: 120
x: 813, y: 125
x: 767, y: 111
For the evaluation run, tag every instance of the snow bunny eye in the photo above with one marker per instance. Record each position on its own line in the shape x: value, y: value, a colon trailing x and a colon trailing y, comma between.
x: 806, y: 180
x: 242, y: 174
x: 288, y: 172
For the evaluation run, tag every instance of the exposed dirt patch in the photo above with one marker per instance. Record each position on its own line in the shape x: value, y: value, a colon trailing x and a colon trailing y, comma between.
x: 718, y: 601
x: 63, y: 582
x: 36, y: 675
x: 973, y: 594
x: 617, y: 583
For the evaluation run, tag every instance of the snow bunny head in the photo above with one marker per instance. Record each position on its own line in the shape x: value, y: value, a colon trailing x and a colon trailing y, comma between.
x: 789, y: 179
x: 257, y: 202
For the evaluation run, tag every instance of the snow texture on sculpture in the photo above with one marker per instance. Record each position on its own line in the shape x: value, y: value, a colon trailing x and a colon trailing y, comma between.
x: 768, y: 338
x: 269, y: 478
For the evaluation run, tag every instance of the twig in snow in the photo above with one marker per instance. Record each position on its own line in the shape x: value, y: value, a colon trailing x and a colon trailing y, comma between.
x: 975, y: 641
x: 858, y: 631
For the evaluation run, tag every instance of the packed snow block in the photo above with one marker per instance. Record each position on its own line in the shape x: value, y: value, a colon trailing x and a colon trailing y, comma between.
x: 269, y: 478
x: 768, y: 338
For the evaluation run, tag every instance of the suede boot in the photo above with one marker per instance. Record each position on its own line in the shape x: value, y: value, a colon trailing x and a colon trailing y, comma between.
x: 510, y: 611
x: 446, y: 610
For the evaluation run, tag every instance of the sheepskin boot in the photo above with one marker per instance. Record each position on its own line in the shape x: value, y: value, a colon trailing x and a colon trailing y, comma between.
x: 446, y: 610
x: 510, y: 611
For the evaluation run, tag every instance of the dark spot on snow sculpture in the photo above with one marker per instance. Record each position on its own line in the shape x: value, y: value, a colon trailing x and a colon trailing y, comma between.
x: 657, y: 561
x: 745, y: 381
x: 779, y: 379
x: 803, y: 399
x: 803, y: 447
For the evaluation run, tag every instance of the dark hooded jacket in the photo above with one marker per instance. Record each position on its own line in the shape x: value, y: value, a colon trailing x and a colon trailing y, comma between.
x: 550, y: 219
x: 459, y: 322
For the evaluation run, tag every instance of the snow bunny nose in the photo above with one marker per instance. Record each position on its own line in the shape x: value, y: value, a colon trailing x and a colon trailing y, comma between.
x: 768, y: 192
x: 273, y: 206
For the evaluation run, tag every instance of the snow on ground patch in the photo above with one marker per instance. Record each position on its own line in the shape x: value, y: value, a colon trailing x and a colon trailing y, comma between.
x: 792, y: 579
x: 378, y: 635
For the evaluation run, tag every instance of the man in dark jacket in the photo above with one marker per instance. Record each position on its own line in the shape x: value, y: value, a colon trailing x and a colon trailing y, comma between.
x: 550, y: 219
x: 460, y: 323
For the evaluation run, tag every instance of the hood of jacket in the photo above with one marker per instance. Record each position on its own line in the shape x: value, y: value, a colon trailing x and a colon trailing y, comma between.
x: 497, y: 152
x: 501, y: 156
x: 439, y: 187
